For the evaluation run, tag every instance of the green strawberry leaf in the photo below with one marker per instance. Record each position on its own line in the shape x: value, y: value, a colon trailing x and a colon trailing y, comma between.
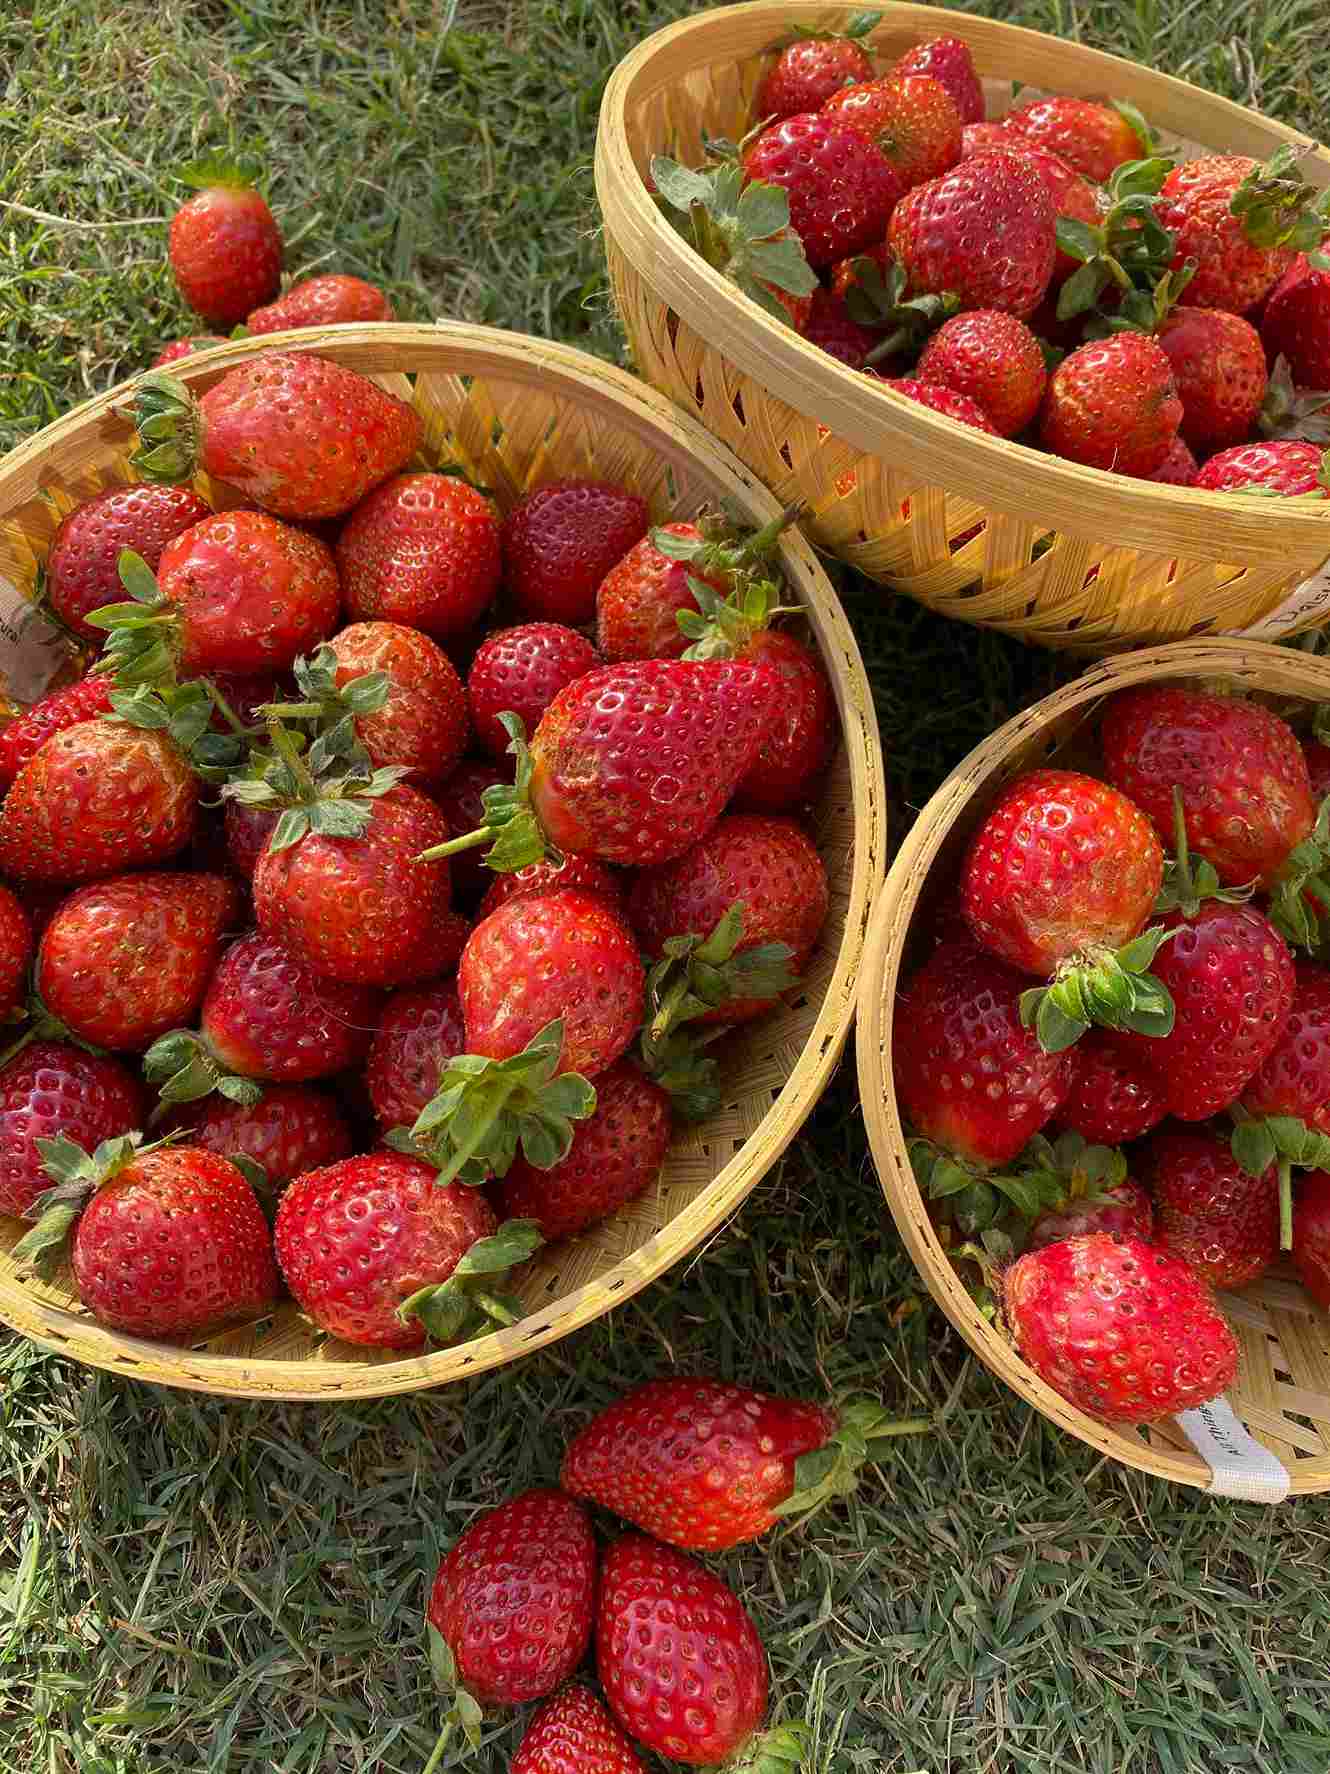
x: 451, y: 1308
x: 862, y: 1431
x: 185, y: 1071
x: 682, y: 1068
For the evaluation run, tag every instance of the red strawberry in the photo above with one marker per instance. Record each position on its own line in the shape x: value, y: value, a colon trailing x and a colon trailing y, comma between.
x: 1179, y: 467
x: 1296, y: 326
x: 638, y: 602
x: 573, y: 1734
x: 968, y: 1073
x: 680, y: 1661
x: 1114, y: 1097
x: 981, y: 136
x: 948, y: 61
x: 1121, y: 1210
x: 424, y: 550
x: 423, y: 725
x: 831, y: 329
x: 1219, y: 367
x: 807, y: 72
x: 291, y: 1129
x: 1223, y: 1223
x: 942, y: 400
x: 583, y: 872
x: 520, y: 671
x: 187, y: 347
x: 1113, y: 404
x: 909, y: 118
x: 419, y: 1032
x: 247, y: 832
x: 994, y: 359
x: 98, y: 798
x: 16, y: 938
x: 1318, y: 769
x: 984, y: 230
x: 277, y: 429
x: 1285, y: 466
x: 28, y: 732
x: 48, y: 1089
x: 1294, y: 1078
x: 1240, y: 223
x: 565, y: 955
x: 1311, y: 1236
x: 331, y: 299
x: 1122, y: 1329
x: 1092, y: 138
x: 126, y: 959
x: 1073, y: 196
x: 559, y: 542
x: 82, y: 564
x: 514, y: 1600
x: 438, y: 951
x: 460, y: 802
x: 225, y: 251
x: 841, y: 188
x: 802, y: 732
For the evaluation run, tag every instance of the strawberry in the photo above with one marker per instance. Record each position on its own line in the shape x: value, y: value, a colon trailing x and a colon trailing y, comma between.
x: 330, y: 299
x: 1241, y: 222
x: 83, y: 561
x: 247, y: 832
x: 1094, y: 139
x: 1318, y: 769
x: 16, y: 940
x: 49, y: 1089
x: 523, y: 669
x: 460, y: 801
x: 423, y: 724
x: 295, y: 434
x: 1223, y: 1223
x: 438, y: 952
x: 1296, y: 326
x: 559, y: 542
x: 1311, y: 1236
x: 423, y: 549
x: 291, y: 1129
x: 573, y: 1734
x: 968, y: 1073
x: 1294, y: 1078
x: 948, y: 61
x: 841, y: 189
x: 808, y: 71
x: 981, y: 136
x: 186, y: 347
x: 583, y: 872
x: 224, y: 247
x: 419, y: 1031
x: 832, y: 329
x: 1179, y: 467
x: 942, y: 400
x: 1113, y: 404
x: 1285, y: 467
x: 1219, y: 367
x: 98, y: 798
x: 1073, y: 196
x: 1121, y: 1210
x: 615, y: 1156
x: 126, y: 959
x: 1114, y: 1097
x: 25, y: 735
x: 994, y: 359
x: 909, y: 118
x: 983, y: 230
x: 1122, y: 1329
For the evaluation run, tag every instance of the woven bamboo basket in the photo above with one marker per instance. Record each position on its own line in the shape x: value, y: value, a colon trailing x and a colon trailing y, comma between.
x: 1282, y: 1392
x: 1064, y: 556
x: 513, y: 412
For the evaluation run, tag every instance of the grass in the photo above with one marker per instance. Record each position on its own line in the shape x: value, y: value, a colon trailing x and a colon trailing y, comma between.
x: 191, y: 1586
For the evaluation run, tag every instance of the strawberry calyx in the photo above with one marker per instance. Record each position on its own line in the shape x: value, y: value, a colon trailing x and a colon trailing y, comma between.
x: 466, y: 1303
x: 331, y: 791
x: 680, y: 1064
x: 1111, y: 988
x: 863, y: 1429
x: 1286, y: 1141
x: 185, y: 1069
x: 697, y: 974
x: 224, y: 172
x: 723, y: 546
x: 723, y: 628
x: 328, y: 710
x: 1277, y: 206
x: 511, y: 829
x: 1140, y: 127
x: 877, y: 299
x: 166, y: 417
x: 784, y: 1749
x: 1304, y: 872
x: 76, y: 1175
x: 856, y: 27
x: 1130, y: 249
x: 1289, y: 412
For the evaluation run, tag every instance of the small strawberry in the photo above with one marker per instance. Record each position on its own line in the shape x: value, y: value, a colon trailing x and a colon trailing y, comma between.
x: 1294, y: 1078
x: 573, y: 1734
x: 831, y: 327
x: 909, y: 118
x: 1219, y: 367
x: 1179, y: 467
x: 224, y: 247
x: 83, y: 561
x: 276, y: 429
x: 1285, y: 467
x: 419, y: 1031
x: 948, y: 61
x: 186, y: 347
x: 1113, y: 404
x: 1114, y: 1097
x: 423, y: 549
x: 1242, y: 223
x: 582, y: 872
x: 16, y: 942
x: 942, y: 400
x: 331, y: 299
x: 1122, y: 1329
x: 1296, y: 326
x: 841, y: 189
x: 560, y: 540
x: 994, y: 359
x: 1121, y: 1210
x: 1095, y: 139
x: 523, y: 669
x: 1223, y: 1223
x: 49, y: 1089
x: 1311, y: 1236
x: 291, y: 1129
x: 25, y: 735
x: 808, y: 71
x: 984, y: 230
x: 423, y: 723
x: 459, y: 800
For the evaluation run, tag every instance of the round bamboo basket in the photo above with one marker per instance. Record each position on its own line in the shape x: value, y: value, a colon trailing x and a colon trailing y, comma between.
x: 513, y: 412
x: 1065, y: 556
x: 1282, y: 1392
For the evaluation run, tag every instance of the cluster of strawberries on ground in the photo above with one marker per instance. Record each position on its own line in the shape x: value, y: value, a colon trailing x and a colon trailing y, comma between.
x: 1052, y: 275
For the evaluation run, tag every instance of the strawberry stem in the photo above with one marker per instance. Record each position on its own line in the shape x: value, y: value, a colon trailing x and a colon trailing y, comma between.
x: 1285, y: 1202
x: 228, y: 714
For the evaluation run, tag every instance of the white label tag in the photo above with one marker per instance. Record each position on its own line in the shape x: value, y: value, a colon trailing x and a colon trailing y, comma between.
x: 32, y: 650
x: 1242, y: 1468
x: 1310, y: 600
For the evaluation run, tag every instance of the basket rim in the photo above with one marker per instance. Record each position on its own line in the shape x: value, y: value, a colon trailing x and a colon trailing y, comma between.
x: 893, y: 916
x: 1201, y: 524
x: 462, y: 348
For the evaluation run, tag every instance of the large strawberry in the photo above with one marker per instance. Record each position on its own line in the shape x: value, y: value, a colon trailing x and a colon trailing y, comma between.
x: 948, y: 61
x: 48, y: 1089
x: 422, y: 724
x: 1242, y: 224
x: 1114, y: 1097
x: 83, y: 560
x: 1095, y: 139
x: 910, y: 119
x: 296, y: 434
x: 809, y: 70
x: 995, y: 359
x: 841, y: 189
x: 1284, y: 467
x: 1122, y: 1329
x: 420, y: 1030
x: 560, y: 540
x: 1113, y: 404
x: 1222, y: 1222
x: 424, y: 550
x: 28, y: 732
x: 224, y: 247
x: 522, y: 670
x: 984, y: 230
x: 573, y: 1734
x: 1296, y: 326
x: 289, y: 1130
x: 1311, y: 1236
x: 1219, y: 367
x: 330, y: 299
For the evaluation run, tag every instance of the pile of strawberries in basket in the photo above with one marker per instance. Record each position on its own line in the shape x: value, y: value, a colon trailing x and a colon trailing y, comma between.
x: 1086, y: 992
x: 1053, y: 276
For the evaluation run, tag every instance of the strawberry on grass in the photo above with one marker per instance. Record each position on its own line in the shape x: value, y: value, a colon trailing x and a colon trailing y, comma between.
x: 224, y: 247
x: 186, y: 347
x: 573, y: 1734
x: 330, y: 299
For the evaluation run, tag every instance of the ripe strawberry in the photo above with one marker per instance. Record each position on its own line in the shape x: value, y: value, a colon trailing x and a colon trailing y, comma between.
x: 1311, y: 1236
x: 1122, y: 1329
x: 984, y: 230
x: 28, y: 732
x: 1092, y: 138
x: 1114, y: 1097
x: 1113, y: 404
x: 566, y: 955
x: 521, y: 670
x: 276, y: 429
x: 331, y: 299
x: 51, y: 1088
x: 994, y: 359
x: 1296, y: 326
x: 981, y: 136
x: 291, y: 1129
x: 16, y: 940
x: 247, y: 832
x: 559, y: 542
x: 423, y: 549
x: 98, y: 798
x: 1285, y: 466
x: 583, y: 872
x: 1241, y: 222
x: 1223, y: 1223
x: 1121, y: 1210
x: 680, y: 1661
x: 841, y: 189
x: 423, y: 725
x: 126, y: 959
x: 910, y: 119
x: 82, y: 564
x: 1219, y: 367
x: 419, y: 1031
x: 1179, y: 467
x: 948, y: 61
x: 438, y: 952
x: 615, y: 1156
x: 968, y: 1073
x: 573, y: 1734
x: 1318, y: 769
x: 186, y: 347
x: 459, y: 799
x: 1294, y: 1078
x: 514, y: 1599
x: 808, y: 71
x: 1073, y: 196
x: 225, y: 251
x: 830, y: 327
x: 942, y: 400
